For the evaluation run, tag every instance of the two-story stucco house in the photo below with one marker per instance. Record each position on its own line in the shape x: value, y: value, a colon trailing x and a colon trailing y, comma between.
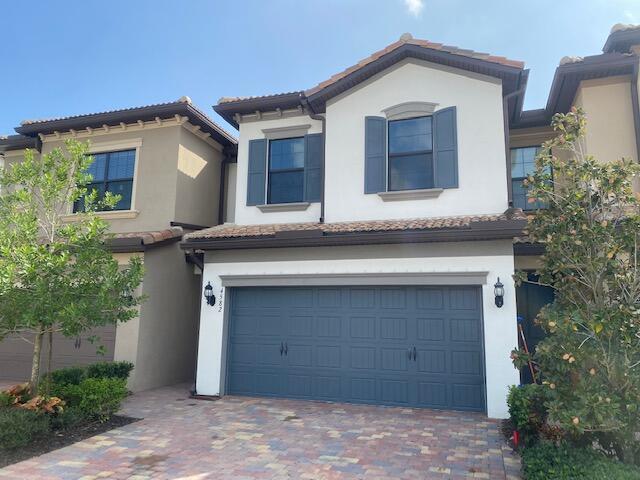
x: 165, y: 162
x: 375, y: 215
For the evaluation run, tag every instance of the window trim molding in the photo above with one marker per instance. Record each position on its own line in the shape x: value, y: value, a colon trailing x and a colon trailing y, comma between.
x: 283, y: 207
x: 267, y: 192
x: 106, y: 215
x: 281, y: 133
x: 537, y: 146
x: 393, y: 195
x: 389, y: 155
x: 115, y: 146
x: 406, y: 110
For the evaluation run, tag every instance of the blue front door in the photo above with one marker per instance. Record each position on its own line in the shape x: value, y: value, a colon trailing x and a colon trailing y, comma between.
x: 410, y: 346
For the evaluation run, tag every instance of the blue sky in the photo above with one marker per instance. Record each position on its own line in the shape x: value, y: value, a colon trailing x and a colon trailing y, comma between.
x: 79, y: 56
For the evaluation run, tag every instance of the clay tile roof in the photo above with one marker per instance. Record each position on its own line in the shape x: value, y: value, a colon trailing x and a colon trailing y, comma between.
x: 149, y: 237
x: 267, y: 230
x: 255, y: 97
x: 182, y: 106
x: 407, y: 39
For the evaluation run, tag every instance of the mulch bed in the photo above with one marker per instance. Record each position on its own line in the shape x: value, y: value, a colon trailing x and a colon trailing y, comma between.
x: 61, y: 438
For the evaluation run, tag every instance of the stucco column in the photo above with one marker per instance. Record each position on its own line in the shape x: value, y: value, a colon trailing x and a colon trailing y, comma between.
x: 209, y: 375
x: 500, y: 337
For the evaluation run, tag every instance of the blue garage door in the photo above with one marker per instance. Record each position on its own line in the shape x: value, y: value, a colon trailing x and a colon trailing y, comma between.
x: 410, y: 346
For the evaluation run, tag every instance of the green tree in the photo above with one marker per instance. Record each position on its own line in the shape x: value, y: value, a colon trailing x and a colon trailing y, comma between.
x: 56, y: 275
x: 590, y: 359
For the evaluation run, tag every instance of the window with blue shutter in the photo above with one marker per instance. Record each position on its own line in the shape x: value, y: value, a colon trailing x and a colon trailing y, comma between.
x: 422, y: 152
x: 410, y: 154
x: 287, y: 170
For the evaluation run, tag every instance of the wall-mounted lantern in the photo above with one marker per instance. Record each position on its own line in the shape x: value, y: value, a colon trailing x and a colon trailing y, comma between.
x: 498, y: 291
x: 208, y: 294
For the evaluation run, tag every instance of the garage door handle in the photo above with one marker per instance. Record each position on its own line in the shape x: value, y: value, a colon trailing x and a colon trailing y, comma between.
x: 415, y: 353
x: 281, y: 348
x: 286, y: 348
x: 410, y: 353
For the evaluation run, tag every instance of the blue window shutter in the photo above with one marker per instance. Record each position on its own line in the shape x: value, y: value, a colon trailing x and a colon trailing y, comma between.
x: 313, y: 163
x: 257, y: 172
x: 445, y: 148
x: 375, y: 154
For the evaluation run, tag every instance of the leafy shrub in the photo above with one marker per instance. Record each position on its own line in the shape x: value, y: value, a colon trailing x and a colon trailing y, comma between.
x: 70, y: 417
x: 109, y: 370
x: 527, y: 410
x: 546, y: 461
x: 95, y: 397
x: 6, y: 400
x: 18, y: 427
x: 68, y: 376
x: 590, y: 355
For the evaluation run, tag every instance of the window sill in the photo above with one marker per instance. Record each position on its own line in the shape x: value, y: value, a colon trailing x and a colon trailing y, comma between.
x: 109, y: 215
x: 284, y: 207
x: 410, y: 194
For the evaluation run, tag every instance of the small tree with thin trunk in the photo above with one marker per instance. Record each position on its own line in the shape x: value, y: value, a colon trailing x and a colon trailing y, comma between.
x: 590, y: 358
x: 57, y: 275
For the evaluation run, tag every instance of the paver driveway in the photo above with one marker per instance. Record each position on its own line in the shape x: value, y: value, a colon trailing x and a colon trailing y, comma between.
x: 249, y: 438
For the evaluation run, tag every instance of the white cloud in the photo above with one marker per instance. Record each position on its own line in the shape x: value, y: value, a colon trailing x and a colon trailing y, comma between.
x: 414, y: 7
x: 630, y: 16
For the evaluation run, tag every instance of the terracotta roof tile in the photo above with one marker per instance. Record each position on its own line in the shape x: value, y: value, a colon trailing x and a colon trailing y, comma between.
x: 407, y: 39
x: 151, y: 237
x: 265, y: 230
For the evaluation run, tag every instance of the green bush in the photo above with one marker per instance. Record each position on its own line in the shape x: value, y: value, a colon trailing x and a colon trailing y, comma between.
x: 546, y: 461
x: 70, y: 417
x: 68, y: 376
x: 97, y: 398
x: 527, y: 410
x: 18, y: 427
x: 5, y: 399
x: 110, y: 370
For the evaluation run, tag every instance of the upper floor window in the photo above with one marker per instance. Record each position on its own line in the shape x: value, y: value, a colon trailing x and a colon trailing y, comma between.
x: 112, y: 172
x: 523, y: 164
x: 410, y: 154
x: 286, y: 170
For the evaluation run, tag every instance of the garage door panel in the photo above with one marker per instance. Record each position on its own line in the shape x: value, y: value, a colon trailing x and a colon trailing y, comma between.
x: 411, y: 346
x: 430, y: 298
x: 300, y: 326
x: 394, y: 391
x: 431, y: 361
x: 466, y: 363
x: 363, y: 357
x: 16, y: 354
x: 467, y: 396
x: 329, y: 356
x: 394, y: 359
x: 430, y: 329
x: 362, y: 327
x: 393, y: 328
x: 328, y: 326
x: 362, y: 298
x: 464, y: 330
x: 393, y: 298
x: 433, y: 394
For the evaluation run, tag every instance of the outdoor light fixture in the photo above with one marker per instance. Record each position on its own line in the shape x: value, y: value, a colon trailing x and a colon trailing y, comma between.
x: 498, y: 291
x: 208, y: 294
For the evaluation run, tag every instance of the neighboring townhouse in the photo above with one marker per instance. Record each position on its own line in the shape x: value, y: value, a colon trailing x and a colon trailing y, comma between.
x: 374, y: 224
x: 165, y: 161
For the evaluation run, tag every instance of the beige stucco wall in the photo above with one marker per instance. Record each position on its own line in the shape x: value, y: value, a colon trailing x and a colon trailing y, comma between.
x: 230, y: 193
x: 530, y: 137
x: 610, y: 128
x: 168, y: 325
x: 198, y: 181
x: 154, y: 190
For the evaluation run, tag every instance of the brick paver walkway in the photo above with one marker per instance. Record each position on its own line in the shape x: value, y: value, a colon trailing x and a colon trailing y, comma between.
x: 250, y: 438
